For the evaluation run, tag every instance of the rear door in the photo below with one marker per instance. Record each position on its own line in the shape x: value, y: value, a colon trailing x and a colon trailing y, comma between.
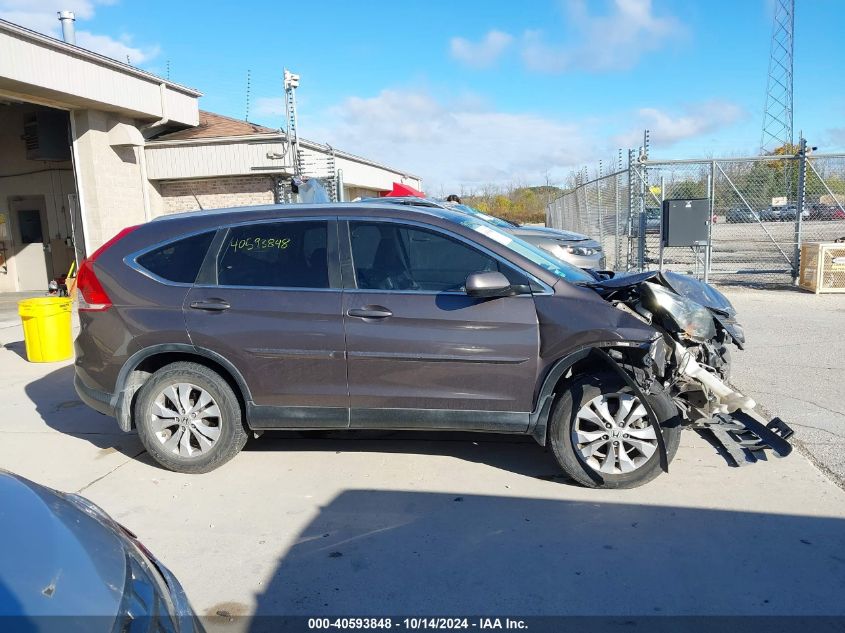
x: 269, y: 300
x: 423, y: 354
x: 33, y: 263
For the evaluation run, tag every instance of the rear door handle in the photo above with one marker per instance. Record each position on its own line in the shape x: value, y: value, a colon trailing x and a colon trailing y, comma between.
x: 213, y: 305
x: 369, y: 312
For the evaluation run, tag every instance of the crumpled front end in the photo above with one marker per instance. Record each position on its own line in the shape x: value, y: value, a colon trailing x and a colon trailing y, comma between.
x: 697, y: 324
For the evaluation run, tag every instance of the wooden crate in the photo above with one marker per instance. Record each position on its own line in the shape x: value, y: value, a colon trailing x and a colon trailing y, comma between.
x: 822, y: 267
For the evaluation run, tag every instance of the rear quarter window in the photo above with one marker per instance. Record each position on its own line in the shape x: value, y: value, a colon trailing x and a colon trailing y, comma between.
x: 178, y: 261
x: 290, y: 254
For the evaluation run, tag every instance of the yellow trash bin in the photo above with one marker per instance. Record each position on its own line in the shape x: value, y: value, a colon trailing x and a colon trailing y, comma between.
x: 46, y: 328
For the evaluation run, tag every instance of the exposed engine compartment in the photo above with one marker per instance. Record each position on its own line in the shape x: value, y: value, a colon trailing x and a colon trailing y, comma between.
x: 690, y: 358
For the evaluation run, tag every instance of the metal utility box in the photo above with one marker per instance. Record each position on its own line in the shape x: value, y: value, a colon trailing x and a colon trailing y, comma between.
x: 822, y: 267
x: 686, y: 222
x: 46, y: 136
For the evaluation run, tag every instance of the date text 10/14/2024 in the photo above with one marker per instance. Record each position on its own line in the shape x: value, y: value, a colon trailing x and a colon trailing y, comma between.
x: 417, y: 623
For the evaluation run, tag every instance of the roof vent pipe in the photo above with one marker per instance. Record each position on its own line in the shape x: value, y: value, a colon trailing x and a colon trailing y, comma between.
x: 68, y: 33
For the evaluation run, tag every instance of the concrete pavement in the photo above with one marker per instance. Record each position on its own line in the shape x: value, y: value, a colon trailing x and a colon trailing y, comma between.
x: 442, y: 524
x: 794, y: 366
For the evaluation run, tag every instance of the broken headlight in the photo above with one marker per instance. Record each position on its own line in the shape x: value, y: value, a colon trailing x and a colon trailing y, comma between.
x: 679, y: 313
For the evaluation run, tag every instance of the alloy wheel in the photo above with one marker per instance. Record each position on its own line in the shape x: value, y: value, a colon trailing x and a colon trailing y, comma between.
x: 186, y: 420
x: 613, y: 435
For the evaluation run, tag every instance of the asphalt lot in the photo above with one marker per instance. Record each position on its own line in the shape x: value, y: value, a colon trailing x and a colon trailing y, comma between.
x: 472, y: 524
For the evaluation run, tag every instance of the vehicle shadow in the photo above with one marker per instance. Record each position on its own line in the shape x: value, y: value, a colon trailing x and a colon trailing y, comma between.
x: 517, y: 454
x: 397, y: 553
x: 61, y: 409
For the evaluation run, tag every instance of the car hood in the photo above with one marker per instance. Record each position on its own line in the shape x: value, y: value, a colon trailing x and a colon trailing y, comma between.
x: 546, y: 231
x: 685, y: 285
x: 56, y: 559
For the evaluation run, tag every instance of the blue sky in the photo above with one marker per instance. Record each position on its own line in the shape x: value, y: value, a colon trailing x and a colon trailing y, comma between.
x: 470, y: 93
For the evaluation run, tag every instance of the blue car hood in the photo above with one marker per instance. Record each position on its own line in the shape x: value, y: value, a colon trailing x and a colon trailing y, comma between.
x: 56, y: 559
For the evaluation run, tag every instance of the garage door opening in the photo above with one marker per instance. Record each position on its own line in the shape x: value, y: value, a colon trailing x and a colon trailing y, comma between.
x: 39, y: 221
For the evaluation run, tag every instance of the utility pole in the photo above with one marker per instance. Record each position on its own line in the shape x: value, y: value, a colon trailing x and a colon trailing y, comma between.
x: 799, y: 207
x: 248, y: 88
x: 291, y: 83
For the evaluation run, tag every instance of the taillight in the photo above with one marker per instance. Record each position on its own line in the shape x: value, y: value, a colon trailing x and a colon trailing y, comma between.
x: 92, y: 296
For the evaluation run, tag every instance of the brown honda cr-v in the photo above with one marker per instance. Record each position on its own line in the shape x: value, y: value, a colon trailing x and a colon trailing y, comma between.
x: 198, y: 329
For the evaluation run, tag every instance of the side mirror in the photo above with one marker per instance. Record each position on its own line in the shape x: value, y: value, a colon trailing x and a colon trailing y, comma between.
x: 488, y: 285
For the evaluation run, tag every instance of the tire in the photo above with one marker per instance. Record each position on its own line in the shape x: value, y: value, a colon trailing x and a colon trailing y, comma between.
x: 163, y: 409
x: 589, y: 390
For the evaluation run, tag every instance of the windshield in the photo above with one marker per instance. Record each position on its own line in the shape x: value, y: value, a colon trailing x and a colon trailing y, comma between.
x: 540, y: 257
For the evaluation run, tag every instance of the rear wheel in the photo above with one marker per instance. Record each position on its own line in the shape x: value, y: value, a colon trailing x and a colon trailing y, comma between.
x: 189, y: 419
x: 601, y: 435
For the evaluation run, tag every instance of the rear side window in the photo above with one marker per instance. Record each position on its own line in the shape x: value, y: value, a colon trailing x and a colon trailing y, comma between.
x: 178, y: 261
x: 275, y: 255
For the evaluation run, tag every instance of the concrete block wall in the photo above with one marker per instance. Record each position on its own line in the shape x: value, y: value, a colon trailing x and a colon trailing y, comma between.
x: 109, y: 178
x: 214, y: 193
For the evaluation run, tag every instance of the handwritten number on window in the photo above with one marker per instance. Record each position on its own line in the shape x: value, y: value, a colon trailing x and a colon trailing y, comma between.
x: 260, y: 244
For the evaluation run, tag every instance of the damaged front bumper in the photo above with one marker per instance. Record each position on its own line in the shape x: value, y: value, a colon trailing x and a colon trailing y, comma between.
x: 731, y: 417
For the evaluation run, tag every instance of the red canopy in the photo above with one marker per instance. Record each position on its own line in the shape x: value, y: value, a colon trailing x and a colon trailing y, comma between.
x: 400, y: 191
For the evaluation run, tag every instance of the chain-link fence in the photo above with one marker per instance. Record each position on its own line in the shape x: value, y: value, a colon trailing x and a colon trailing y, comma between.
x: 762, y: 208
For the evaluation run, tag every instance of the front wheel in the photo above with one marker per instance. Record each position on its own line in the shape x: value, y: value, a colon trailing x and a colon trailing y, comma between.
x: 601, y: 435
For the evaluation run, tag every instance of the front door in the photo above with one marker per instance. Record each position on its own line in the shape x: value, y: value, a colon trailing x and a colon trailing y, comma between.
x: 31, y: 257
x: 423, y: 354
x: 272, y: 307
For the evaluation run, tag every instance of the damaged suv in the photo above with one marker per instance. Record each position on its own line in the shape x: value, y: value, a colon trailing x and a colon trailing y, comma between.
x: 202, y: 328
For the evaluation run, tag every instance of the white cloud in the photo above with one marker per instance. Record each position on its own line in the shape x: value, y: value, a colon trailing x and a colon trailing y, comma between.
x: 615, y: 41
x: 462, y: 141
x: 480, y: 54
x: 41, y: 16
x: 453, y: 143
x: 120, y: 49
x: 666, y: 128
x: 269, y: 106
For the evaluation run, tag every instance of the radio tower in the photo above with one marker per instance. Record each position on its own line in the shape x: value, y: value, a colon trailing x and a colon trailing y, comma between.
x: 291, y: 83
x: 777, y: 116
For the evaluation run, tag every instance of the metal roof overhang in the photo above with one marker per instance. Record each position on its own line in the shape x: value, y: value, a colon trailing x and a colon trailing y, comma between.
x: 40, y: 69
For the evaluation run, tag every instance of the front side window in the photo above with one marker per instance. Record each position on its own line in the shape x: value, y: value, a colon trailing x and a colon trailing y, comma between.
x: 275, y: 255
x: 390, y: 256
x: 538, y: 256
x: 178, y: 261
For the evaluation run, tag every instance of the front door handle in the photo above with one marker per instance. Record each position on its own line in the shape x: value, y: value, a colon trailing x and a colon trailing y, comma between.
x: 213, y: 305
x: 369, y: 312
